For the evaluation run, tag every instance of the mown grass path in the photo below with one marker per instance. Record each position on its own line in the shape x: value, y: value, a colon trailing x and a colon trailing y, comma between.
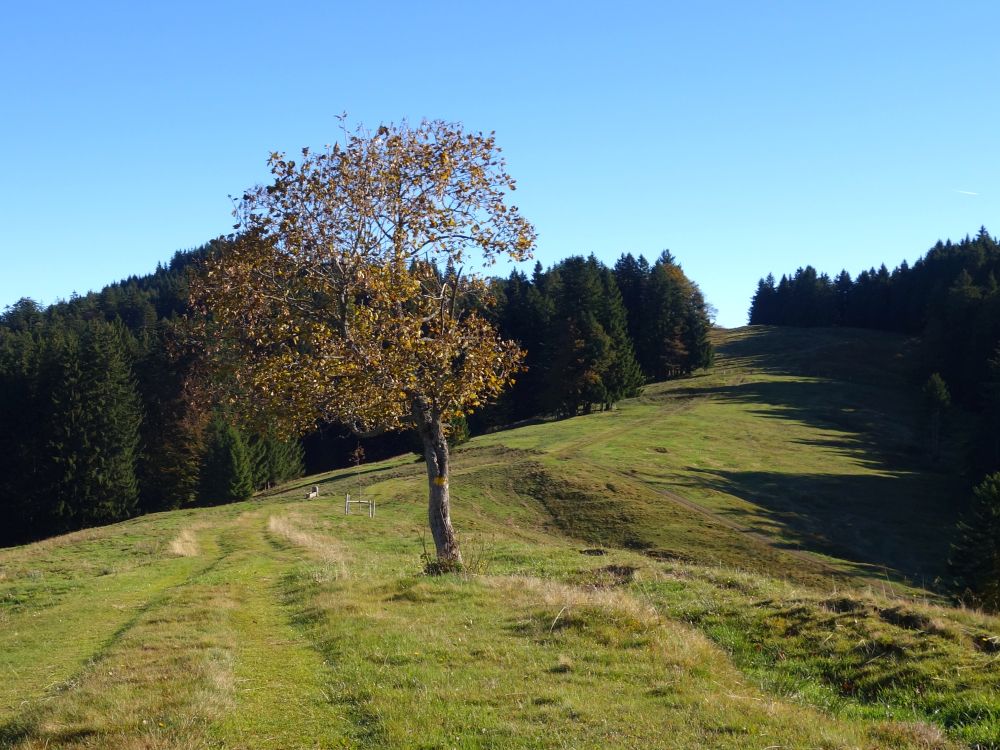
x: 60, y: 616
x: 209, y: 658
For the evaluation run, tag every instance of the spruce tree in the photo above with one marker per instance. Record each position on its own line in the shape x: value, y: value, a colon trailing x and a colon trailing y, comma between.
x: 21, y: 437
x: 842, y: 296
x: 623, y: 377
x: 120, y: 415
x: 632, y: 275
x: 257, y: 455
x: 524, y: 314
x: 664, y: 346
x: 272, y: 460
x: 936, y: 400
x: 174, y: 425
x: 93, y: 427
x: 762, y: 304
x: 991, y: 413
x: 697, y: 326
x: 975, y: 554
x: 581, y: 353
x: 63, y: 478
x: 226, y: 471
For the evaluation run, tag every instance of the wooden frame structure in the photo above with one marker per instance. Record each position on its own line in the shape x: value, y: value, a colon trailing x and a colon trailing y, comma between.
x: 359, y: 500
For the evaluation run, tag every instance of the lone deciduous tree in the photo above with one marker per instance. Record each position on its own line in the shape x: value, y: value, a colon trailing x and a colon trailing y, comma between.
x: 338, y: 297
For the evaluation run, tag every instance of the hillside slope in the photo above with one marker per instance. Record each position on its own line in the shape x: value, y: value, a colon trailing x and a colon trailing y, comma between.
x: 731, y: 560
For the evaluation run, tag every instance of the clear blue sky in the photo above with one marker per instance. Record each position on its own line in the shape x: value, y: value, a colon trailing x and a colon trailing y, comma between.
x: 745, y: 136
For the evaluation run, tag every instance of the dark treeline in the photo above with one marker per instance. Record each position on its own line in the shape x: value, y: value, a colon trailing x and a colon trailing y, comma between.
x: 100, y: 421
x: 96, y: 422
x: 950, y: 298
x: 593, y: 334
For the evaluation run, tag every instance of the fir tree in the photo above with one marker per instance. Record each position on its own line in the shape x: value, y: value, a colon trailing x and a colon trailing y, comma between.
x: 623, y: 376
x: 226, y: 472
x: 936, y: 400
x: 975, y: 555
x: 21, y: 437
x: 93, y: 428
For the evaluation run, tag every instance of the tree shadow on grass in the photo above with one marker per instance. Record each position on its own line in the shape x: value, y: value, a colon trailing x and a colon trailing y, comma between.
x: 852, y: 354
x: 853, y: 389
x: 853, y: 381
x: 895, y: 521
x: 877, y: 427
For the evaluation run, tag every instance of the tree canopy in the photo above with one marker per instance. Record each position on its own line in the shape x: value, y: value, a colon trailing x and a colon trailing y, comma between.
x: 342, y: 296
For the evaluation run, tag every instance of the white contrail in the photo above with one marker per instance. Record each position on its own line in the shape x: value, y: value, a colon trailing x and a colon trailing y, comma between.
x: 966, y: 192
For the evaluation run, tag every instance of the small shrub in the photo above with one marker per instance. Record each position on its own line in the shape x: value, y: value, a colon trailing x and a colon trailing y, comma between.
x: 435, y: 566
x: 844, y: 605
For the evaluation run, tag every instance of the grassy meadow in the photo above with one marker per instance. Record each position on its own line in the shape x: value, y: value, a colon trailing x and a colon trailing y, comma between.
x: 747, y: 558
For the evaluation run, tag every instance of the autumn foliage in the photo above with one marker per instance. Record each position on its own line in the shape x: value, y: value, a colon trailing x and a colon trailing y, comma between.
x: 341, y: 296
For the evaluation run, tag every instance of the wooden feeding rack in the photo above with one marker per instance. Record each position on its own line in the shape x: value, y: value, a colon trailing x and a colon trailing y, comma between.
x: 359, y: 500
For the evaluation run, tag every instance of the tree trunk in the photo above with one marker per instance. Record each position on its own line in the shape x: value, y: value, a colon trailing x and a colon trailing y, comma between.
x: 431, y: 429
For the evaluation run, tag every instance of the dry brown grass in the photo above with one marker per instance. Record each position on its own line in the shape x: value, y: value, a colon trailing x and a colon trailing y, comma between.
x: 552, y: 593
x: 185, y: 544
x: 674, y: 642
x: 329, y: 551
x: 31, y: 551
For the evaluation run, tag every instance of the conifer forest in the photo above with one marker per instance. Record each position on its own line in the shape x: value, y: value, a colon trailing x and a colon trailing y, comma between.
x: 101, y: 395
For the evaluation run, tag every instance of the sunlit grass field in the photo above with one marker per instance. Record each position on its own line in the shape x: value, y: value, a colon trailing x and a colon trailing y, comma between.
x: 747, y: 558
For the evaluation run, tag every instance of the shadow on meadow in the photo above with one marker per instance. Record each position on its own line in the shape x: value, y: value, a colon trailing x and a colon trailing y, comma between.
x: 850, y: 354
x: 891, y: 524
x: 876, y: 427
x: 854, y: 390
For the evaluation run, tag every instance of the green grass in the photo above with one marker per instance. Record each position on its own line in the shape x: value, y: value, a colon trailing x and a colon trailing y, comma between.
x: 768, y: 545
